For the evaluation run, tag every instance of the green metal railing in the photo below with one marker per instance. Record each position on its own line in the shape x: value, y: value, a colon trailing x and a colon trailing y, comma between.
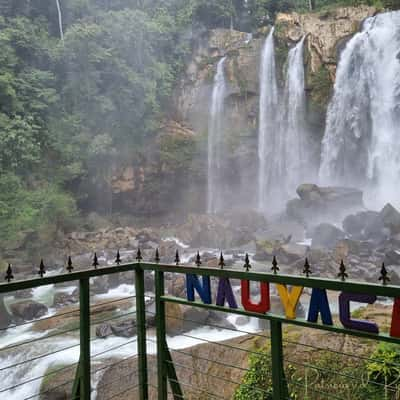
x: 168, y: 383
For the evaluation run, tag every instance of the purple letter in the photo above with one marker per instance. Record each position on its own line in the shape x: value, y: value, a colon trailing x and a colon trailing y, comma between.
x: 225, y: 293
x: 345, y: 316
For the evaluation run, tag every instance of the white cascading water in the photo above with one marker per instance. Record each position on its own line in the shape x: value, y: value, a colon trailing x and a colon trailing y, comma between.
x: 215, y: 138
x: 267, y: 121
x: 361, y: 146
x: 294, y: 154
x: 284, y: 160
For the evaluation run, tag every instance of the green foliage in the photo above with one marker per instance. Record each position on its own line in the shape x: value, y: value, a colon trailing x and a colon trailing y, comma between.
x: 257, y: 382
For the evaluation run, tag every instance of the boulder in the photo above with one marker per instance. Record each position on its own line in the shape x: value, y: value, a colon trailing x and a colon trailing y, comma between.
x: 65, y: 299
x: 103, y: 331
x: 195, y: 318
x: 174, y: 318
x: 320, y: 204
x: 309, y: 192
x: 125, y: 329
x: 392, y: 257
x: 326, y: 235
x: 177, y: 286
x: 28, y: 310
x: 391, y: 218
x: 365, y: 225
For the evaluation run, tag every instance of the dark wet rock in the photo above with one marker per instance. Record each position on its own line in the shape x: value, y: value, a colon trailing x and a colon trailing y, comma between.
x: 125, y: 328
x: 195, y: 318
x: 326, y: 235
x: 392, y: 257
x: 320, y: 204
x: 64, y: 299
x: 366, y: 225
x: 28, y: 310
x: 149, y: 282
x: 391, y: 218
x: 103, y: 331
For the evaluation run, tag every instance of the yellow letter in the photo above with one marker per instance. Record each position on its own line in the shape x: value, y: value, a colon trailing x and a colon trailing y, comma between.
x: 290, y: 299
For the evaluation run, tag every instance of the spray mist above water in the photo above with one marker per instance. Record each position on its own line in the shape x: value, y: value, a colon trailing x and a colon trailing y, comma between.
x: 361, y: 146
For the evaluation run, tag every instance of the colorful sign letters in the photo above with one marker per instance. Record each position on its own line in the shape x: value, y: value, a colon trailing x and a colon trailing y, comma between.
x: 319, y: 302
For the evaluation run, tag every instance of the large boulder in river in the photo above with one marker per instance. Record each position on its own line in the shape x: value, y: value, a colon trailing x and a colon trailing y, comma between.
x: 391, y: 218
x: 326, y: 235
x: 365, y: 225
x: 323, y: 204
x: 28, y: 310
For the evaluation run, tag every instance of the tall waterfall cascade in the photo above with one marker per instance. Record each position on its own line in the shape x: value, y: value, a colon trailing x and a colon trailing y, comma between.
x: 215, y: 138
x: 296, y: 164
x: 284, y: 161
x: 267, y: 121
x: 361, y: 145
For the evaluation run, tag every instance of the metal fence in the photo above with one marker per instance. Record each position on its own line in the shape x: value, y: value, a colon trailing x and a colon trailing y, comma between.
x: 147, y: 365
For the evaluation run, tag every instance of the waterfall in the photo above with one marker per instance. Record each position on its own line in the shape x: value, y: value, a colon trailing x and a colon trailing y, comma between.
x: 215, y: 138
x: 284, y: 159
x: 267, y: 120
x: 361, y: 144
x: 60, y: 24
x: 294, y: 135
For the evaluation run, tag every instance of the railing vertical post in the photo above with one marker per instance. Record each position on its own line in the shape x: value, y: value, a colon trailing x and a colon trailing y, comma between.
x: 279, y: 384
x: 84, y: 315
x: 141, y: 334
x: 161, y: 340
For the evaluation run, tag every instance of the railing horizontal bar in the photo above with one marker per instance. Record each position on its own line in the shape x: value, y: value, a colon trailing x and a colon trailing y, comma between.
x: 295, y: 280
x: 113, y: 348
x: 273, y: 317
x: 67, y: 277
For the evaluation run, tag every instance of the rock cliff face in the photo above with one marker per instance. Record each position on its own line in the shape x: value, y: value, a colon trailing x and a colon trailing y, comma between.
x: 327, y: 32
x: 176, y: 162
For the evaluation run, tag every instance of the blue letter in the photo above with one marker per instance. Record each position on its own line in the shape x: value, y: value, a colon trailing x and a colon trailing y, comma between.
x: 319, y: 304
x: 192, y: 283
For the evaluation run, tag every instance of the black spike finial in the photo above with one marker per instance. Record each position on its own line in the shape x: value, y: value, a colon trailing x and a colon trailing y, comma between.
x: 307, y: 268
x: 247, y: 264
x: 139, y: 255
x: 9, y: 275
x: 42, y: 268
x: 342, y: 271
x: 157, y: 256
x: 198, y: 259
x: 69, y: 264
x: 118, y: 259
x: 384, y: 275
x: 177, y: 258
x: 221, y: 263
x: 95, y: 261
x: 275, y: 267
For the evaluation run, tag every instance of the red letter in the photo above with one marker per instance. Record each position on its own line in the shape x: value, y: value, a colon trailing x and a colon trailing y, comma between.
x: 395, y: 328
x: 263, y: 306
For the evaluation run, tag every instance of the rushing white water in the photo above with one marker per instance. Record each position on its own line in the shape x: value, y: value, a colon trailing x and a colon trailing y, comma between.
x: 215, y: 137
x: 284, y: 159
x: 267, y: 120
x: 361, y: 145
x: 60, y: 22
x: 294, y: 153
